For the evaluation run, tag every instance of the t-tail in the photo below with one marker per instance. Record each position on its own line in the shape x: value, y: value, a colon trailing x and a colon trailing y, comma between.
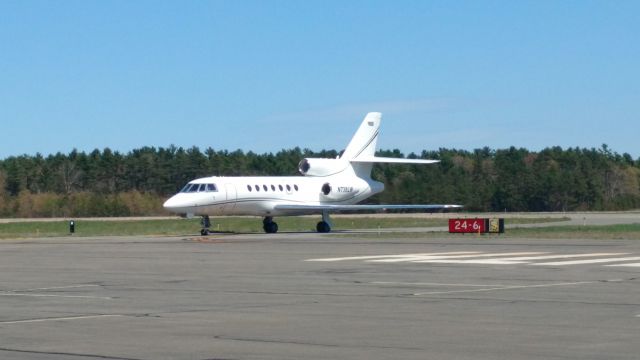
x: 363, y: 143
x: 359, y: 155
x: 361, y: 151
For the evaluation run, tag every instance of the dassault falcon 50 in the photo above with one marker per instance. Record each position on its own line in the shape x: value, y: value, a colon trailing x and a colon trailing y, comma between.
x: 327, y: 185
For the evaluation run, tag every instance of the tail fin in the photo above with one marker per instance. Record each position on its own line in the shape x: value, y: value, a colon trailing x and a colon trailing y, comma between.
x: 363, y: 143
x: 361, y: 151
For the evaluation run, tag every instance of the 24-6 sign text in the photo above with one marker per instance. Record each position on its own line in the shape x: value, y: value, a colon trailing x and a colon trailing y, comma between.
x: 467, y: 225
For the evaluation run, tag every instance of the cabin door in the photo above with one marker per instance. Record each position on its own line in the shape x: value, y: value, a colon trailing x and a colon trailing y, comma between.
x: 231, y: 198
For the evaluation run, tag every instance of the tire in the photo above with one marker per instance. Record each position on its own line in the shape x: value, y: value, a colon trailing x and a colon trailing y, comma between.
x: 323, y: 227
x: 270, y: 227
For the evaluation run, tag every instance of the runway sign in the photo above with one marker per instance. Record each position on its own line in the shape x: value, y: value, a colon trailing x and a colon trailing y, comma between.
x: 477, y: 226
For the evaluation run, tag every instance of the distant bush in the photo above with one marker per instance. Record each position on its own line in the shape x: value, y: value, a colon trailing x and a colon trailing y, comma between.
x: 82, y: 204
x: 108, y: 183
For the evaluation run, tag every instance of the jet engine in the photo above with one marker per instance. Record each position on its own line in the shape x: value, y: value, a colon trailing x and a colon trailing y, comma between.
x: 321, y: 167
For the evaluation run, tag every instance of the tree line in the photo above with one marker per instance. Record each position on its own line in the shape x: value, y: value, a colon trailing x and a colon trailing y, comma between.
x: 110, y: 183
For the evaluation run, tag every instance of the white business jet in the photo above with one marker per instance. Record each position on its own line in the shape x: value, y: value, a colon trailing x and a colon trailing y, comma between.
x: 327, y: 185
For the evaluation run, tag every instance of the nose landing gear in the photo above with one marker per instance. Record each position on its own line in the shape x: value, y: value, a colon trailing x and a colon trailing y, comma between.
x: 206, y: 224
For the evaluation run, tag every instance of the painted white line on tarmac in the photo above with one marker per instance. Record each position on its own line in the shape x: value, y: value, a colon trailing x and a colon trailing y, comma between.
x: 57, y: 287
x: 59, y: 319
x: 358, y: 258
x: 428, y: 258
x: 29, y: 292
x: 631, y: 265
x: 56, y: 295
x: 591, y: 261
x: 391, y: 256
x: 407, y: 258
x: 565, y: 256
x: 503, y: 288
x: 431, y: 284
x: 473, y: 261
x: 482, y: 258
x: 494, y: 254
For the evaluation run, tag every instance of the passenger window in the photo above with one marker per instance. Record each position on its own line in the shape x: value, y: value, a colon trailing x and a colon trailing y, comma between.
x: 257, y: 188
x: 288, y: 187
x: 280, y: 187
x: 211, y: 187
x: 295, y: 187
x: 264, y: 187
x: 249, y: 188
x: 273, y: 187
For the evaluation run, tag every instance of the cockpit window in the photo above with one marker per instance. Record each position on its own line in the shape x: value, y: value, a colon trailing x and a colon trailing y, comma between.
x: 199, y: 188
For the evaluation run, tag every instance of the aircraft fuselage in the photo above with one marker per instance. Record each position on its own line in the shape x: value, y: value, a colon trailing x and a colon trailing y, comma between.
x: 327, y: 185
x: 259, y: 195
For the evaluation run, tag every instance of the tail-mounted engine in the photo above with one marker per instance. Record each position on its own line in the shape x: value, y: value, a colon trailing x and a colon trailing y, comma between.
x: 321, y: 167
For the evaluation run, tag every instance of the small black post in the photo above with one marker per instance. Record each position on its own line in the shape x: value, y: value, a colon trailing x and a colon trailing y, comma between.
x: 72, y: 226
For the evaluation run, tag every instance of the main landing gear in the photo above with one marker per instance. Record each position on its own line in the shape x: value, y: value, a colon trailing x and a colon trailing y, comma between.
x: 324, y: 226
x: 269, y: 226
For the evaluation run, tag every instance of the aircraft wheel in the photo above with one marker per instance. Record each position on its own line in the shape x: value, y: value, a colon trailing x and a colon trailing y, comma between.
x: 323, y: 227
x: 204, y: 232
x: 270, y: 227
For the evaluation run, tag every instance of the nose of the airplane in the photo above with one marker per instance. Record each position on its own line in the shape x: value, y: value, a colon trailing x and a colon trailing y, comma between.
x: 172, y: 204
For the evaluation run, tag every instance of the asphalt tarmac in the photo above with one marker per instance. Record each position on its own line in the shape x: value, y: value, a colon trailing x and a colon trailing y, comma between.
x: 318, y: 296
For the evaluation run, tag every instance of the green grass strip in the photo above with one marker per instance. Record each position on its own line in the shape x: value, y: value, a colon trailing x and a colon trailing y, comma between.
x: 222, y: 224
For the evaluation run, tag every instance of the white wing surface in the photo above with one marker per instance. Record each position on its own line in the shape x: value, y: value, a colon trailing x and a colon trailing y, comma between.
x: 302, y: 207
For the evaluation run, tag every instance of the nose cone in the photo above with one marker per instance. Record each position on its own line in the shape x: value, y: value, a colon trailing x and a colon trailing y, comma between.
x: 173, y: 204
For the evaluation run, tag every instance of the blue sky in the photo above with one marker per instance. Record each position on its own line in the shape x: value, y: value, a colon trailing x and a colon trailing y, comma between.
x: 268, y: 75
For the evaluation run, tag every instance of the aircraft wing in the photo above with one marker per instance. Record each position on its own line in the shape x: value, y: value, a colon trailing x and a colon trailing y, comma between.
x: 361, y: 207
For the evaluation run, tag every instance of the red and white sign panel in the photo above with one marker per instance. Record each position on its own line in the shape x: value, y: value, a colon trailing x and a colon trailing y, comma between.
x: 467, y: 226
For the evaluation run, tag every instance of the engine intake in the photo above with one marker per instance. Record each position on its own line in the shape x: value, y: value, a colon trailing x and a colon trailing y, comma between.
x: 321, y: 167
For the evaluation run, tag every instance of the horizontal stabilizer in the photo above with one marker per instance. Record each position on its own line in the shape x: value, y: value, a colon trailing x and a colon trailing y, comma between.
x: 362, y: 207
x: 376, y: 159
